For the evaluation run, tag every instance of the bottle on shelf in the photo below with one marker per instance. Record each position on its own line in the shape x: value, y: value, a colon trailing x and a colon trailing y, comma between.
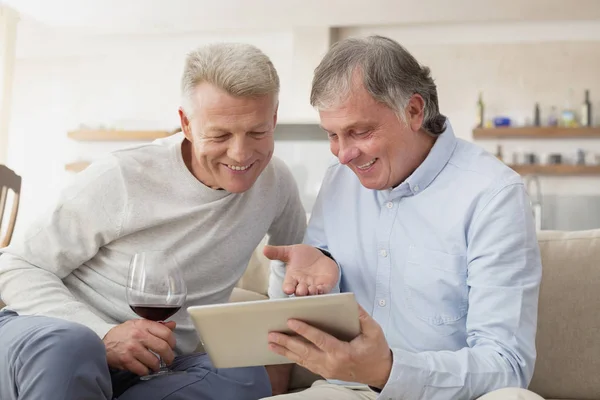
x: 586, y: 110
x: 536, y: 115
x: 553, y: 117
x: 480, y: 111
x: 499, y: 153
x: 568, y: 116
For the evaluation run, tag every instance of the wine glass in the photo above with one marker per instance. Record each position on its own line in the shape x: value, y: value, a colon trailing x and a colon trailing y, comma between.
x: 155, y: 290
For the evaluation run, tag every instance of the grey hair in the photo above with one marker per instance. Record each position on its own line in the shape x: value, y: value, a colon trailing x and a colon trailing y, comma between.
x: 389, y: 72
x: 239, y: 69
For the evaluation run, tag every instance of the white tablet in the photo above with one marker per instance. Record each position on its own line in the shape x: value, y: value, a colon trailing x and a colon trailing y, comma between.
x: 235, y: 334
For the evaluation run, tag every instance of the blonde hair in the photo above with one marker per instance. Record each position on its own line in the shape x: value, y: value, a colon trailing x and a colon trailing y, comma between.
x: 239, y: 69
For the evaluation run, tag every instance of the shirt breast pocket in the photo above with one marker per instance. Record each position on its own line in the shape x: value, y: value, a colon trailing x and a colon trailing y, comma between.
x: 436, y: 285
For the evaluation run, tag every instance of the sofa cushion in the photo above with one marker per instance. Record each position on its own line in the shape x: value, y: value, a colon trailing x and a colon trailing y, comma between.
x: 240, y: 295
x: 256, y: 276
x: 568, y: 336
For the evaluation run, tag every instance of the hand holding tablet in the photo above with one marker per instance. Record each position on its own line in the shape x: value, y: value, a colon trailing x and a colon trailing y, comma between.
x: 236, y: 334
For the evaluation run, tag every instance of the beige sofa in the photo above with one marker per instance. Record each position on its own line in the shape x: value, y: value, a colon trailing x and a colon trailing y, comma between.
x: 568, y: 340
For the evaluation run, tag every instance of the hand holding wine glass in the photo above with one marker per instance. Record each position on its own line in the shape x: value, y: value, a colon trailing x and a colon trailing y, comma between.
x: 155, y: 291
x: 133, y: 345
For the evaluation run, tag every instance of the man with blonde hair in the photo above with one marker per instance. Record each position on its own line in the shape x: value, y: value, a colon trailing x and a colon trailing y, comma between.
x: 433, y: 235
x: 208, y: 195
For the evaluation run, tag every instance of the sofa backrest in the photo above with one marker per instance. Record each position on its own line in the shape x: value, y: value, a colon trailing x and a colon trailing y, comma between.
x: 256, y: 277
x: 568, y: 337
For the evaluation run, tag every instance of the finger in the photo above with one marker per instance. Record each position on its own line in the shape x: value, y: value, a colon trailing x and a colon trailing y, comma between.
x: 320, y: 339
x: 144, y: 357
x: 137, y: 367
x: 303, y: 350
x: 289, y: 284
x: 301, y: 289
x: 282, y: 351
x: 368, y: 326
x: 323, y: 289
x: 161, y: 331
x: 313, y: 290
x: 160, y: 347
x: 281, y: 253
x: 169, y: 324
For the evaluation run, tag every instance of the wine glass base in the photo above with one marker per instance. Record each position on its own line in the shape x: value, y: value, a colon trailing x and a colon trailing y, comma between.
x: 160, y: 374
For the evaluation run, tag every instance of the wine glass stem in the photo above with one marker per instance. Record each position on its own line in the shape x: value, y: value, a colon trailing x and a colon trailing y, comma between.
x: 163, y: 366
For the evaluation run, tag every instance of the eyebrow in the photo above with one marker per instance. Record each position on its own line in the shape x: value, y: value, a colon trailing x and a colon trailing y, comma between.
x: 219, y: 130
x: 216, y: 130
x: 352, y: 126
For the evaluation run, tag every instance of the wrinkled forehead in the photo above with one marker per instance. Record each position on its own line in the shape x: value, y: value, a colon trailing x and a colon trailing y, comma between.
x: 356, y: 112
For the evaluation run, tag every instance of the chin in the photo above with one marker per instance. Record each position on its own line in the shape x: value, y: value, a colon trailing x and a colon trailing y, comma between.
x: 372, y: 184
x: 238, y: 187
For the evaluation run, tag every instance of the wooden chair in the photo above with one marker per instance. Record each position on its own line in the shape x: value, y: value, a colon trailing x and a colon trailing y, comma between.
x: 9, y: 181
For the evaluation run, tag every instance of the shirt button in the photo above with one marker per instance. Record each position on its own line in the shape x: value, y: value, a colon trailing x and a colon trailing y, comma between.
x: 382, y: 303
x: 383, y: 253
x: 416, y: 188
x: 389, y: 205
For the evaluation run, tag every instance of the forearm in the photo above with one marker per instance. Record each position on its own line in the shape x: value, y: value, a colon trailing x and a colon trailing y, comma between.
x: 444, y: 375
x: 29, y: 290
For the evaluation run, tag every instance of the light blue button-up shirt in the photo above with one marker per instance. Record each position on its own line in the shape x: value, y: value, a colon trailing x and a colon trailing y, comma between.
x: 447, y: 263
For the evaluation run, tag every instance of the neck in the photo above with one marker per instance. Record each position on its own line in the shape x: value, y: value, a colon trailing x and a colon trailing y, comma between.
x: 422, y: 146
x: 187, y: 152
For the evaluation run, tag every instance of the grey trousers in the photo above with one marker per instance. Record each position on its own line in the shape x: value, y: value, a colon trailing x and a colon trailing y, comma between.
x: 45, y: 358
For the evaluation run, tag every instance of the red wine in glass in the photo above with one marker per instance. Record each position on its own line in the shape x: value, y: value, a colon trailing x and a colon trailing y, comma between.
x: 154, y: 312
x: 156, y: 290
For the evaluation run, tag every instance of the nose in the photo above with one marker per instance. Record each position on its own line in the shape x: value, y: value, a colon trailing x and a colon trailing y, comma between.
x: 240, y: 150
x: 346, y: 151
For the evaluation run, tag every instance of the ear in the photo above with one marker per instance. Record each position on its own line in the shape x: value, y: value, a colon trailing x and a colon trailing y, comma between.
x: 185, y: 124
x: 275, y: 115
x: 415, y: 112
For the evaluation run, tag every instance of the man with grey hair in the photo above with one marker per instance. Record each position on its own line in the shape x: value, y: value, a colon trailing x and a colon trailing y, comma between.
x: 433, y: 235
x: 207, y: 195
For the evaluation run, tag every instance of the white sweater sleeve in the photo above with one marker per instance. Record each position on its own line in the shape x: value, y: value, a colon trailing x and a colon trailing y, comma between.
x: 88, y: 214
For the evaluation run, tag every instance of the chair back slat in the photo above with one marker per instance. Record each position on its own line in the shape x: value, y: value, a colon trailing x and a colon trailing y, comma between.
x: 9, y: 182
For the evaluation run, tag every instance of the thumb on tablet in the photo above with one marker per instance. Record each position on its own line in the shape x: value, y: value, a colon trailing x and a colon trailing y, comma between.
x: 368, y: 326
x: 280, y: 253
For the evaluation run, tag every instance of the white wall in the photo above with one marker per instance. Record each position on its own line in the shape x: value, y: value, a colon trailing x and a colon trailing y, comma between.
x: 8, y: 29
x: 132, y: 82
x: 168, y: 16
x: 63, y: 80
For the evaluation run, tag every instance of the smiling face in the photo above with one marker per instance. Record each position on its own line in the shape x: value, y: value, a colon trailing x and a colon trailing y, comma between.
x: 231, y: 137
x: 369, y: 138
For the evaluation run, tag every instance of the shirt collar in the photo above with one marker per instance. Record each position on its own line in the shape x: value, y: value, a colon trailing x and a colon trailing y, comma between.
x: 434, y: 163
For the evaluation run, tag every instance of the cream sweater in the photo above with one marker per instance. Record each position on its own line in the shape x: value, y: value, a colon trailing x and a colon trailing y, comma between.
x: 72, y: 263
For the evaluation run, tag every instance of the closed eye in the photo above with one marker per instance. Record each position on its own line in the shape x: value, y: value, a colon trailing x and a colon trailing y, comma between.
x: 221, y: 138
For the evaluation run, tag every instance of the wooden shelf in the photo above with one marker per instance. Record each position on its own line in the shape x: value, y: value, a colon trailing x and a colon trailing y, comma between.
x: 116, y: 135
x: 536, y: 132
x: 77, y: 166
x: 557, y: 170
